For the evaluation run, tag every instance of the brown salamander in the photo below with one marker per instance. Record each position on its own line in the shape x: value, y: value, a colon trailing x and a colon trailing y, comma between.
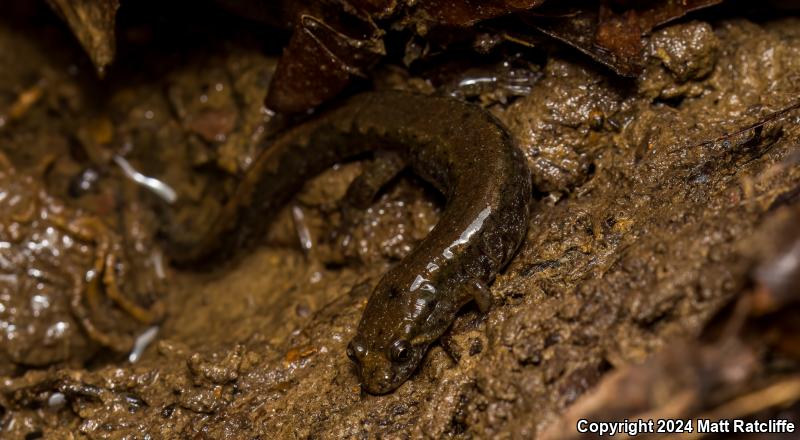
x: 460, y: 149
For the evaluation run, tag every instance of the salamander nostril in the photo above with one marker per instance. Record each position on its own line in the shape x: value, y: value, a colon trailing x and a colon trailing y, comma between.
x: 355, y: 351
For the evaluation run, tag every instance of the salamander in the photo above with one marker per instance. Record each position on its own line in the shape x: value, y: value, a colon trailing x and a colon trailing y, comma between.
x: 463, y: 151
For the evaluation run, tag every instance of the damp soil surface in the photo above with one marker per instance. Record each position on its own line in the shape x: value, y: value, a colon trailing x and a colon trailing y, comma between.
x: 656, y: 200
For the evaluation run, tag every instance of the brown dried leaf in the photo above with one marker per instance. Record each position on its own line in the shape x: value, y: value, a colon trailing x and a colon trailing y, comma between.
x: 92, y: 22
x: 374, y: 8
x: 777, y: 274
x: 465, y: 13
x: 319, y: 63
x: 677, y: 383
x: 613, y: 37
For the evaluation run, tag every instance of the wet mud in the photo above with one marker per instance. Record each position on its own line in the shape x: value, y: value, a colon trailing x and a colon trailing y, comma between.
x: 650, y: 253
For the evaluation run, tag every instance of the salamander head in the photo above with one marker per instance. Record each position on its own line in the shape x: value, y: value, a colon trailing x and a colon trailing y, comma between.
x: 394, y: 333
x: 383, y: 372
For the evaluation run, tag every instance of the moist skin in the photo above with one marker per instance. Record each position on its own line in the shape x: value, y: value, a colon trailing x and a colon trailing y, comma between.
x: 460, y: 149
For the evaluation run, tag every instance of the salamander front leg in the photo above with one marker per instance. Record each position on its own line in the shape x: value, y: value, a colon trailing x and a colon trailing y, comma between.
x: 376, y: 174
x: 362, y: 192
x: 481, y: 294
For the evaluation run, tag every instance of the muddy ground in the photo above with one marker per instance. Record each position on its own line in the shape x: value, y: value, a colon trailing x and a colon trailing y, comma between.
x: 651, y: 250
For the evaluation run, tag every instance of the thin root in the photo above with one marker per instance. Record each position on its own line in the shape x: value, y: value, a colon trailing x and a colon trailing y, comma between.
x: 145, y: 316
x: 91, y: 229
x: 756, y: 125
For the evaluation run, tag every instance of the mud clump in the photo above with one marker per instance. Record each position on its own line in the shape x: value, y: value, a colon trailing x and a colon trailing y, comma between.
x: 60, y: 292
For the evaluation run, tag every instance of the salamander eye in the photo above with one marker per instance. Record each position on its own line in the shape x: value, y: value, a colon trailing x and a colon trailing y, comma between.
x: 401, y: 351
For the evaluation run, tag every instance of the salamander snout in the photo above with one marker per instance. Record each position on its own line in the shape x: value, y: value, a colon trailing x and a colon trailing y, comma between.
x: 383, y: 370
